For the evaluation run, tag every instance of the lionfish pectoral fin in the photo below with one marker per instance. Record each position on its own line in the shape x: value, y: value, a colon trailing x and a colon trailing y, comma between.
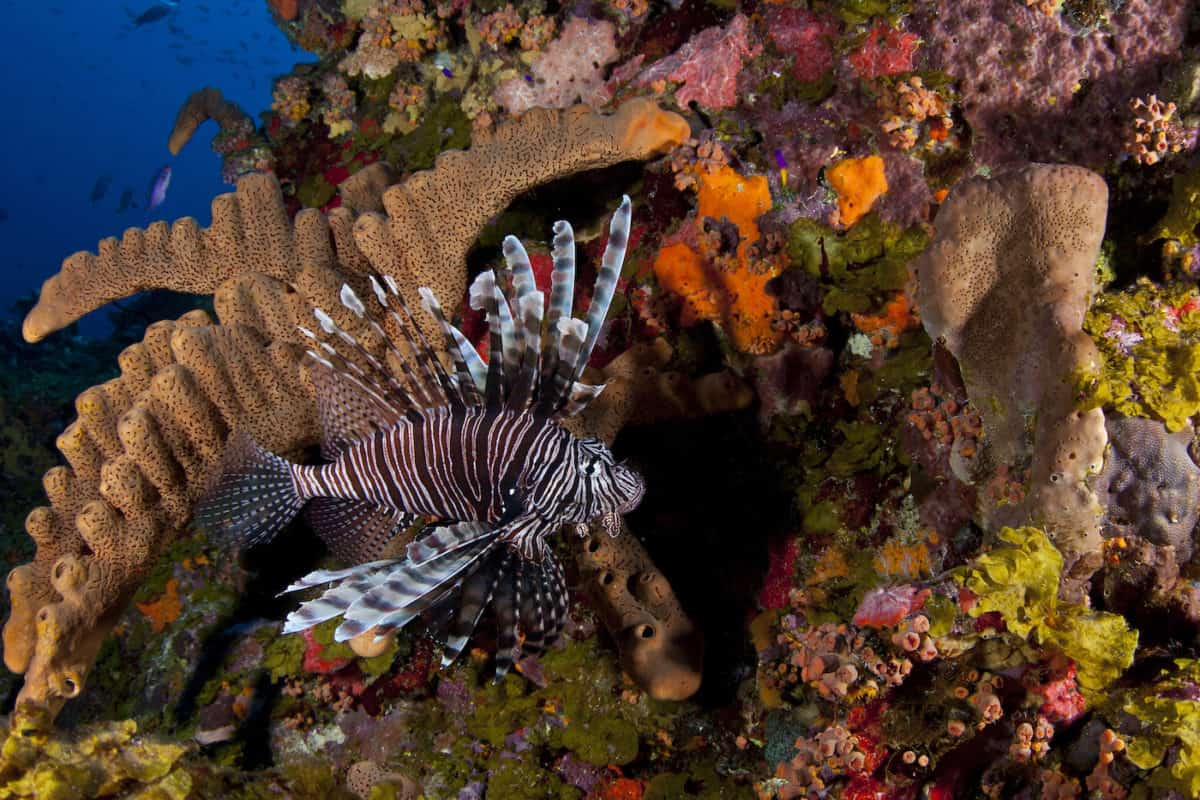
x: 445, y: 559
x: 530, y: 597
x: 355, y: 530
x: 255, y: 496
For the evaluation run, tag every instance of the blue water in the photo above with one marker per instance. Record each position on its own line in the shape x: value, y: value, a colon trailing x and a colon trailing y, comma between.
x: 86, y: 94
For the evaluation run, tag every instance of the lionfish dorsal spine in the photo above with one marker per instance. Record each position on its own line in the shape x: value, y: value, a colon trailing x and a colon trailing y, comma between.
x: 423, y: 351
x: 562, y: 296
x: 528, y: 305
x: 471, y: 371
x: 352, y: 302
x: 606, y: 282
x: 355, y: 305
x: 349, y: 372
x: 435, y: 383
x: 381, y: 384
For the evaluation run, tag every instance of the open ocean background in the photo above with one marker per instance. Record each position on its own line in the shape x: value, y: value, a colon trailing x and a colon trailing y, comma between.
x: 87, y: 94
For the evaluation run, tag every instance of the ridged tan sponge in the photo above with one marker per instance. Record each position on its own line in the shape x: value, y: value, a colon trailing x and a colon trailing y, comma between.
x: 145, y: 443
x: 433, y: 218
x: 250, y: 232
x: 140, y: 454
x: 1005, y: 283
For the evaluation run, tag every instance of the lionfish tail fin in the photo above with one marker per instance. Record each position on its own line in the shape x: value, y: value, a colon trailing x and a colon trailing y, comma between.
x: 254, y: 498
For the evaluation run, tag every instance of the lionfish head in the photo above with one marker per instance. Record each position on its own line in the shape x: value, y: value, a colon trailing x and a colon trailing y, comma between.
x: 630, y: 485
x: 611, y: 487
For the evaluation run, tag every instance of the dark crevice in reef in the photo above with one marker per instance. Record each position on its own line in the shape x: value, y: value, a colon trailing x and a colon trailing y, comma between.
x: 271, y: 567
x: 712, y: 505
x: 585, y: 198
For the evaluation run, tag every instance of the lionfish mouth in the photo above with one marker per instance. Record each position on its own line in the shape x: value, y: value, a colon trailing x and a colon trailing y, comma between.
x: 632, y: 486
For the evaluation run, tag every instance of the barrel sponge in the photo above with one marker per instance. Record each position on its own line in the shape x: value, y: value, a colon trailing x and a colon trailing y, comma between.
x: 660, y: 647
x: 202, y: 105
x: 1005, y: 284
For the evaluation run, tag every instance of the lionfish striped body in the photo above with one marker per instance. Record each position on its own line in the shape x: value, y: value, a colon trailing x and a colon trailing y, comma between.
x: 479, y: 449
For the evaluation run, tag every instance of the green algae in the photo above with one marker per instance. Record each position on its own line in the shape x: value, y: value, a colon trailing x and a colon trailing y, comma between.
x: 1019, y: 578
x: 596, y: 727
x: 863, y: 449
x: 857, y: 12
x: 183, y: 547
x: 315, y: 191
x: 284, y: 657
x: 1183, y: 213
x: 443, y: 126
x: 1149, y: 337
x: 702, y: 783
x: 1168, y: 724
x: 859, y: 268
x: 522, y: 781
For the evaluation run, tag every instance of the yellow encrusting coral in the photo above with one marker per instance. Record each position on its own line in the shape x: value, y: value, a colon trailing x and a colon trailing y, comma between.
x: 105, y: 760
x: 1149, y: 337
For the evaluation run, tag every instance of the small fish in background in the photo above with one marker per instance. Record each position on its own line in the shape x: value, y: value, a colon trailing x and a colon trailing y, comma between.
x: 126, y: 202
x: 152, y: 14
x: 100, y: 188
x: 158, y: 188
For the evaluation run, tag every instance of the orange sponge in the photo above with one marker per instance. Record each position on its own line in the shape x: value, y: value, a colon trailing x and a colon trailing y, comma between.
x: 859, y: 182
x: 733, y: 294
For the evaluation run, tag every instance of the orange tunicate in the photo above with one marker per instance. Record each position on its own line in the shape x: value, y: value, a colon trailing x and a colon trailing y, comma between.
x: 735, y: 297
x: 859, y: 182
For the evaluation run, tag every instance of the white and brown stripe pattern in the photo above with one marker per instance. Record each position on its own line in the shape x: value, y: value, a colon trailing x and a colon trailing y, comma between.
x: 480, y: 449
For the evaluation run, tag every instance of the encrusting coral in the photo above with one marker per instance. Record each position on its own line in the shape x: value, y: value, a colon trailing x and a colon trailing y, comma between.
x: 141, y: 450
x: 1005, y: 284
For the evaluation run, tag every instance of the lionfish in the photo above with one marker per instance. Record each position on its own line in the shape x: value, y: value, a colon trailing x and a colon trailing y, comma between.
x: 480, y: 449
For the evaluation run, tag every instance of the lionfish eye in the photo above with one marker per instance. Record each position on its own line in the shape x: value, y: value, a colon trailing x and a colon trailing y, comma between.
x: 592, y: 467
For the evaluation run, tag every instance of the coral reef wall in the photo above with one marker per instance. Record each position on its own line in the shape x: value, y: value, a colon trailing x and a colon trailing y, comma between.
x: 905, y: 345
